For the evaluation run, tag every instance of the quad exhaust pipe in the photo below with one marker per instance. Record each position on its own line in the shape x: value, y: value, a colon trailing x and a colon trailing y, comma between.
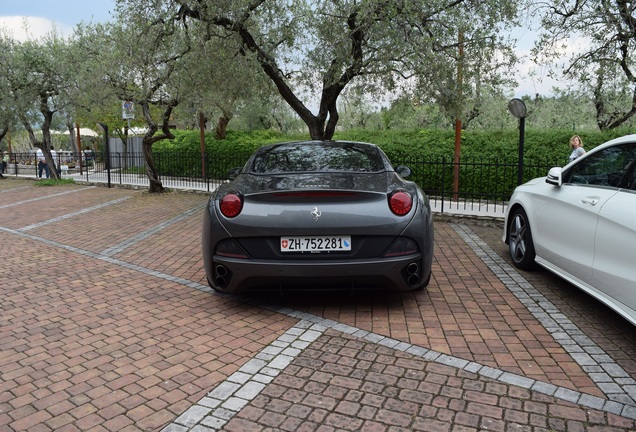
x: 221, y: 275
x: 412, y: 273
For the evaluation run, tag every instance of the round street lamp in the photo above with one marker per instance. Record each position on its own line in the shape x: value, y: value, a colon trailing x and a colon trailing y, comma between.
x: 518, y: 109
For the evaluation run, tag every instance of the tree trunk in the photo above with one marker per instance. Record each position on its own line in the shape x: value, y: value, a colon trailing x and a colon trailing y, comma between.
x: 221, y: 127
x: 46, y: 135
x: 151, y: 169
x: 150, y: 138
x: 45, y: 144
x: 316, y: 127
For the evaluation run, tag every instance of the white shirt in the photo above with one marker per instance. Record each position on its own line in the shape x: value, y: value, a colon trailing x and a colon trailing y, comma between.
x: 40, y: 155
x: 577, y: 152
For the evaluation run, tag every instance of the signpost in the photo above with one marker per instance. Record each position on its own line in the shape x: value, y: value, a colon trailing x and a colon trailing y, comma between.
x: 127, y: 113
x: 127, y: 110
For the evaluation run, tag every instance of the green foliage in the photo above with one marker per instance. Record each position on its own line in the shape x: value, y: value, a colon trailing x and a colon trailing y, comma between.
x: 402, y: 145
x: 599, y: 66
x: 236, y: 142
x: 489, y: 159
x: 222, y: 155
x: 539, y: 145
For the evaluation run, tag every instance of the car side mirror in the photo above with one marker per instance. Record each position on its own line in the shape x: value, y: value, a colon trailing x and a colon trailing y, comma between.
x: 403, y: 171
x: 555, y: 176
x: 233, y: 173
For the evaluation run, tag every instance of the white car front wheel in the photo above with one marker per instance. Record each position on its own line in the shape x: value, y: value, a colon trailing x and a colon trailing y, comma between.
x: 520, y: 241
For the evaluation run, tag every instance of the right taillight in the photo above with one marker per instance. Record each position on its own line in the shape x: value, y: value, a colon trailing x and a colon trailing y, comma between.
x: 231, y: 205
x: 400, y: 203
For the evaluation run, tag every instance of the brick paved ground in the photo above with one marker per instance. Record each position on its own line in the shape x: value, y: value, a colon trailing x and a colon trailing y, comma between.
x: 106, y: 324
x: 467, y: 312
x: 598, y: 322
x: 343, y: 384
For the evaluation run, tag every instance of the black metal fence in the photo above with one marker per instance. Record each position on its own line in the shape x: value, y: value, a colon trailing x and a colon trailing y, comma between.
x: 485, y: 183
x: 467, y: 183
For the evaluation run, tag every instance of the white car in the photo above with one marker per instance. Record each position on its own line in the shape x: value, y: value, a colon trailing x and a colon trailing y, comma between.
x: 580, y: 223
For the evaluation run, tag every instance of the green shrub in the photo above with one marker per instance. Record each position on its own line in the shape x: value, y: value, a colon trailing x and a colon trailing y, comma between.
x: 489, y: 159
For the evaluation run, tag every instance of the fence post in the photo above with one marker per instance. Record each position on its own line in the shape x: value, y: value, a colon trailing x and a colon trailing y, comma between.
x: 120, y: 167
x: 443, y: 182
x: 206, y: 176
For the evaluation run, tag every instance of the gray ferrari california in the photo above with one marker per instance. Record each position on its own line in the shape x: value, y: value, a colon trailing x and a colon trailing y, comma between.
x: 318, y: 215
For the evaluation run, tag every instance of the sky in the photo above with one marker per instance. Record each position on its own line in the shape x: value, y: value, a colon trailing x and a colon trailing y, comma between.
x: 43, y: 14
x: 65, y: 14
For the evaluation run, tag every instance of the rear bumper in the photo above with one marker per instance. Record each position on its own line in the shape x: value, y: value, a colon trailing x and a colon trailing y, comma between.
x: 237, y: 275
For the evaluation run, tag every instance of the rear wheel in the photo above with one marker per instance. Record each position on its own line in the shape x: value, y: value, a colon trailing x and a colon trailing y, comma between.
x: 520, y: 241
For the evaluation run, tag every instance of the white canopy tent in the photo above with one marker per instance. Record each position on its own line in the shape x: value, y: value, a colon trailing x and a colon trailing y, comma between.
x: 83, y: 132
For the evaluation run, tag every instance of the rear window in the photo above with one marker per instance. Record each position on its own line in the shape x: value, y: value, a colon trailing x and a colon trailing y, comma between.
x: 317, y: 157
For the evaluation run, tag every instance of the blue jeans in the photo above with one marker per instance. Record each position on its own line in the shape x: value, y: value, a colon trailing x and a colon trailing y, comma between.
x: 43, y: 166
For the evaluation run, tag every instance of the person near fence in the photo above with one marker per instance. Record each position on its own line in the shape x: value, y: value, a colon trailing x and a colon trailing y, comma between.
x: 42, y: 165
x: 577, y: 147
x: 89, y: 156
x: 4, y: 163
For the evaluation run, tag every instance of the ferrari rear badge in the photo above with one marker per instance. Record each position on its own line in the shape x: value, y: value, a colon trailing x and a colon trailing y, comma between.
x: 316, y: 213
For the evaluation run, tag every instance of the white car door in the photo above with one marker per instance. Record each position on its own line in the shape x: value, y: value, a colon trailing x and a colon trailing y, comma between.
x: 569, y: 238
x: 565, y: 229
x: 615, y: 259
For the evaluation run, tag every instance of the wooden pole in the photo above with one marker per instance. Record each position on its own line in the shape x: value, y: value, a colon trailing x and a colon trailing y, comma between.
x: 458, y: 121
x: 202, y: 139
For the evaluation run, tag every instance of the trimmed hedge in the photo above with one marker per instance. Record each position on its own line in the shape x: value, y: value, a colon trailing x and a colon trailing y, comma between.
x: 489, y: 160
x: 402, y: 145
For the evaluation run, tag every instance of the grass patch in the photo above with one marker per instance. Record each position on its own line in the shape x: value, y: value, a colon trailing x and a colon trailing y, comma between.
x: 53, y: 182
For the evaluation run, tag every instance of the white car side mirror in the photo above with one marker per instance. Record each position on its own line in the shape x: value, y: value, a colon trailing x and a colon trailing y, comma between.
x: 555, y: 176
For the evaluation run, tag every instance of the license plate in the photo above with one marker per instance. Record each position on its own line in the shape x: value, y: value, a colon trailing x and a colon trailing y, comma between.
x: 315, y: 244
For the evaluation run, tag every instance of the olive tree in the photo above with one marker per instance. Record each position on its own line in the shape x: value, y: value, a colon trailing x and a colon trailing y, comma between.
x: 8, y: 118
x: 33, y: 80
x: 312, y: 50
x: 223, y: 78
x: 604, y: 63
x: 134, y: 60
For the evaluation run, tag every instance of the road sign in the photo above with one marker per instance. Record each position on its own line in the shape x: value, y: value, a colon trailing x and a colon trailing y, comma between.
x: 127, y: 111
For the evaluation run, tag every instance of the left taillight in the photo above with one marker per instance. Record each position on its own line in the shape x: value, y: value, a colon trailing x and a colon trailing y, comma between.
x: 231, y: 205
x: 400, y: 203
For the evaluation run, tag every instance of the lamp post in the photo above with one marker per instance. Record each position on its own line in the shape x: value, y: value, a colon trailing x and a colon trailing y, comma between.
x: 518, y: 109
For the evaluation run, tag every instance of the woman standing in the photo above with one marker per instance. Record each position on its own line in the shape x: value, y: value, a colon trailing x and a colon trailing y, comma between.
x: 577, y: 147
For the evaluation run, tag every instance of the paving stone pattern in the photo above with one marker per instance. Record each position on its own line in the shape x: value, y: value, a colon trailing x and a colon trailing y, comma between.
x: 106, y: 324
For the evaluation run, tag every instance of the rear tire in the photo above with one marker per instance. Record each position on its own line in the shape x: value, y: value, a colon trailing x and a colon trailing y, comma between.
x: 520, y: 242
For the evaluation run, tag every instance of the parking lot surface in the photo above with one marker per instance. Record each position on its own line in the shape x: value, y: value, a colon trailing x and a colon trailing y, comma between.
x: 107, y: 324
